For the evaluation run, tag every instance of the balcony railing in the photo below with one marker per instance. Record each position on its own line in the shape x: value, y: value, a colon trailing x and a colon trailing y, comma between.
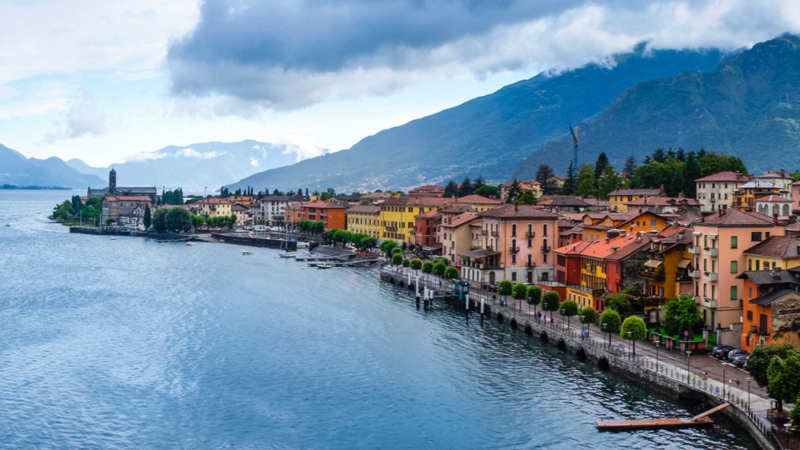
x: 495, y: 233
x: 484, y: 232
x: 711, y: 252
x: 711, y: 276
x: 530, y: 234
x: 530, y: 264
x: 694, y: 250
x: 695, y: 273
x: 513, y: 249
x: 758, y: 330
x: 709, y: 303
x: 652, y: 275
x: 545, y: 248
x: 391, y: 228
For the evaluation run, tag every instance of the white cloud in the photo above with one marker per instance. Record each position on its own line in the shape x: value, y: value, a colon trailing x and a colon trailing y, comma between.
x: 192, y: 153
x: 82, y: 118
x: 254, y: 162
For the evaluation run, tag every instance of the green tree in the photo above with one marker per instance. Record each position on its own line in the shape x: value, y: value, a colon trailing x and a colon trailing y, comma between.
x: 612, y: 321
x: 519, y: 291
x: 600, y: 165
x: 387, y: 247
x: 160, y: 220
x: 397, y: 260
x: 795, y: 416
x: 608, y: 183
x: 691, y: 172
x: 439, y: 268
x: 527, y: 198
x: 451, y: 273
x: 178, y: 219
x: 148, y: 218
x: 588, y: 315
x: 397, y: 251
x: 505, y: 288
x: 416, y: 264
x: 630, y: 166
x: 466, y: 188
x: 514, y: 192
x: 427, y: 267
x: 406, y: 263
x: 543, y: 175
x: 534, y: 296
x: 568, y: 309
x: 551, y: 302
x: 634, y: 329
x: 586, y: 181
x: 783, y: 375
x: 568, y: 188
x: 442, y: 260
x: 682, y: 314
x: 451, y: 189
x: 488, y: 191
x: 619, y: 303
x: 758, y: 362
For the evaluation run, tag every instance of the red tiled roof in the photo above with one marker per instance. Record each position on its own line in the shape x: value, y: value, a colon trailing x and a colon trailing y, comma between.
x: 663, y: 201
x: 626, y: 245
x: 478, y: 199
x: 365, y: 209
x: 432, y: 214
x: 461, y: 220
x: 414, y: 201
x: 519, y: 211
x: 213, y: 201
x: 735, y: 217
x: 725, y: 176
x: 324, y: 205
x: 428, y: 188
x: 773, y: 199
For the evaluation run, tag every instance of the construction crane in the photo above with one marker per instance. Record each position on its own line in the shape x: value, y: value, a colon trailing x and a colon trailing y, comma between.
x: 575, y: 143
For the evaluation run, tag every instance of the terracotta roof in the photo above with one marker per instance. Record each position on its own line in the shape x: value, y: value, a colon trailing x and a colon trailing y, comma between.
x: 565, y: 201
x: 432, y: 214
x: 461, y: 220
x: 767, y: 277
x: 625, y: 246
x: 777, y: 246
x: 124, y: 198
x: 636, y: 192
x: 428, y: 188
x: 735, y: 217
x: 477, y: 223
x: 324, y: 205
x: 725, y: 176
x: 456, y: 209
x: 518, y: 211
x: 213, y: 201
x: 663, y: 201
x: 773, y: 199
x: 414, y: 201
x: 364, y: 209
x: 778, y: 175
x: 573, y: 249
x: 479, y: 199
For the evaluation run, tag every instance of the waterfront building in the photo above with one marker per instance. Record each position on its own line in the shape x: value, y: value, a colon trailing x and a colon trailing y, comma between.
x: 720, y: 241
x: 517, y: 246
x: 478, y: 203
x: 635, y: 221
x: 351, y: 200
x: 457, y: 236
x: 124, y: 210
x: 717, y: 190
x: 669, y: 272
x: 529, y: 185
x: 244, y: 200
x: 774, y: 205
x: 332, y: 214
x: 427, y: 191
x: 745, y: 197
x: 426, y: 232
x: 774, y: 252
x: 114, y: 190
x: 214, y: 207
x: 293, y: 212
x: 272, y: 208
x: 398, y: 216
x: 771, y: 308
x: 618, y: 198
x: 243, y: 214
x: 364, y: 219
x: 664, y: 205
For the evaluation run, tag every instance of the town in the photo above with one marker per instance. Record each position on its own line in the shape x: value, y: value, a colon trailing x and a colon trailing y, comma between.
x: 704, y: 259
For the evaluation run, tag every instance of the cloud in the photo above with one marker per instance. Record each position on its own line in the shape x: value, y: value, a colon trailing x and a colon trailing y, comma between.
x: 281, y: 54
x: 192, y: 153
x: 82, y: 118
x: 254, y: 162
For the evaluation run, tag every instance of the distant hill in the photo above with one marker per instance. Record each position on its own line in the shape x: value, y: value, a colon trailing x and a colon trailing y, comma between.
x: 196, y: 166
x: 487, y: 135
x: 18, y: 170
x: 749, y: 106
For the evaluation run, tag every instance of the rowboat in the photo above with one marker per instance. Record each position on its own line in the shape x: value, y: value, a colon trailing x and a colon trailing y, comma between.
x: 247, y: 252
x: 324, y: 266
x: 287, y: 255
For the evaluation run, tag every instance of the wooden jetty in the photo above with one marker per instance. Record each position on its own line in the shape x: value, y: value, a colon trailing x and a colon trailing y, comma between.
x: 699, y: 421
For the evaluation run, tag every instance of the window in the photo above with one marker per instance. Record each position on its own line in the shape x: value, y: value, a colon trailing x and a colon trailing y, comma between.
x: 750, y: 296
x: 705, y: 290
x: 758, y: 265
x: 766, y: 235
x: 513, y: 259
x: 544, y: 258
x: 544, y: 229
x: 755, y: 236
x: 734, y: 242
x: 749, y: 316
x: 513, y: 276
x: 734, y: 292
x: 653, y: 223
x: 734, y: 266
x: 749, y: 264
x: 514, y: 229
x: 766, y: 265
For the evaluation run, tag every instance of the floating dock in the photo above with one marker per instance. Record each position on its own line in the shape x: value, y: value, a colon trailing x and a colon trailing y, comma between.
x: 698, y: 421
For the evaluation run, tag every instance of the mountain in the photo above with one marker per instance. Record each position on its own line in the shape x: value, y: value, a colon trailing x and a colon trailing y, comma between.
x: 749, y: 106
x: 485, y: 136
x: 18, y: 170
x: 197, y: 166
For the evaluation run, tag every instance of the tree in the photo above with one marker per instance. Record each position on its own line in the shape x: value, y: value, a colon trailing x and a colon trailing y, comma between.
x: 588, y: 315
x: 630, y: 166
x: 619, y: 303
x: 514, y: 192
x: 568, y: 188
x: 691, y: 172
x: 387, y: 246
x: 634, y: 329
x: 543, y: 175
x: 519, y: 291
x: 427, y: 267
x: 568, y: 309
x: 478, y: 183
x: 487, y: 191
x: 416, y: 264
x: 148, y: 219
x: 439, y: 268
x: 551, y: 302
x: 397, y: 251
x: 783, y: 376
x: 608, y: 183
x: 178, y: 220
x: 397, y: 260
x: 160, y: 220
x: 759, y: 360
x: 466, y: 188
x: 600, y: 165
x: 406, y: 263
x: 534, y: 296
x: 527, y: 198
x: 451, y: 273
x: 682, y: 314
x: 586, y: 182
x: 505, y: 288
x: 451, y: 189
x: 612, y: 321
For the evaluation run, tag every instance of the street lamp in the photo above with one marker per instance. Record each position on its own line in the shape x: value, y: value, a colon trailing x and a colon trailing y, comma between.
x: 748, y: 394
x: 629, y: 338
x: 658, y: 344
x: 688, y: 353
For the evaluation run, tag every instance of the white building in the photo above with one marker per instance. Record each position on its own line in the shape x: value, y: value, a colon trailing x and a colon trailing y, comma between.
x: 780, y: 179
x: 273, y: 207
x: 716, y: 190
x: 772, y: 205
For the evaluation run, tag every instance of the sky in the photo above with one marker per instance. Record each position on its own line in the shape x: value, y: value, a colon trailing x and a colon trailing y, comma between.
x: 103, y: 80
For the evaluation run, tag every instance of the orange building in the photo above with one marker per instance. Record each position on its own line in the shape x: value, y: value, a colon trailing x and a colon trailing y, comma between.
x: 771, y: 310
x: 332, y: 214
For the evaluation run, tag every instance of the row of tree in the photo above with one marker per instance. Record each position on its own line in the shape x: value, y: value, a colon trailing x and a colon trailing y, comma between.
x: 310, y: 226
x: 361, y: 241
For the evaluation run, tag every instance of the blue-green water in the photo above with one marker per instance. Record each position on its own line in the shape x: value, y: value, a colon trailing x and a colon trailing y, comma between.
x: 134, y: 344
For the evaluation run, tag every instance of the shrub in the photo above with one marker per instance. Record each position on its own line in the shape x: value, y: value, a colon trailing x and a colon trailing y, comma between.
x: 427, y: 267
x: 505, y: 287
x: 406, y: 263
x: 451, y: 273
x: 551, y: 302
x: 416, y: 264
x: 634, y: 329
x: 397, y: 260
x: 520, y: 291
x: 588, y: 315
x: 619, y: 303
x: 439, y: 268
x: 534, y: 296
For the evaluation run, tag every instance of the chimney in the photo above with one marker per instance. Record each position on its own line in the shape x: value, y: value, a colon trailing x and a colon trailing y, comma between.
x: 783, y: 173
x: 775, y: 218
x: 516, y: 206
x: 778, y: 271
x: 416, y: 200
x: 724, y: 209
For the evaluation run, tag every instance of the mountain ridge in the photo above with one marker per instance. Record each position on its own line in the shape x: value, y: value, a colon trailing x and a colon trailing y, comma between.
x: 16, y: 169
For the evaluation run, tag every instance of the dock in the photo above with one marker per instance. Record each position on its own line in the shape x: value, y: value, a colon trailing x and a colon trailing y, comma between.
x: 699, y: 421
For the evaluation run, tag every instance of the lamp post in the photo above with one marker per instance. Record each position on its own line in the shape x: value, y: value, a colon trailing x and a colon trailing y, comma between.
x: 723, y: 382
x: 688, y: 353
x: 748, y: 394
x: 658, y: 344
x: 629, y: 340
x: 604, y: 330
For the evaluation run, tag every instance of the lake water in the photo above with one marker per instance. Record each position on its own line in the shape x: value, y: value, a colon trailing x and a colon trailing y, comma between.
x: 134, y: 344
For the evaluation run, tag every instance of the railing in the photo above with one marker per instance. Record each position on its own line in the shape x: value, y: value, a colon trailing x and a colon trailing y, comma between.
x: 495, y: 233
x: 391, y: 228
x: 530, y: 264
x: 711, y: 276
x: 694, y: 250
x: 545, y: 248
x: 652, y: 275
x: 711, y: 252
x: 513, y: 249
x: 530, y: 234
x: 759, y: 330
x: 484, y: 232
x: 710, y: 303
x: 695, y: 273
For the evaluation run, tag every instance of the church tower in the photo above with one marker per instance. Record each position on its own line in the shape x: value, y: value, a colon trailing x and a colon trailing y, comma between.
x: 112, y: 182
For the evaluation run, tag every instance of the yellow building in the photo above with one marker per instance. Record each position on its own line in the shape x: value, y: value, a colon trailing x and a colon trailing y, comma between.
x: 772, y: 252
x: 635, y: 222
x: 214, y: 207
x: 617, y: 199
x: 669, y: 270
x: 397, y: 216
x: 364, y: 219
x: 744, y: 198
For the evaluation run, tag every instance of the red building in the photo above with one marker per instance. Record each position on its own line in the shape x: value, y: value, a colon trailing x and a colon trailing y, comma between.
x: 332, y: 214
x: 425, y: 225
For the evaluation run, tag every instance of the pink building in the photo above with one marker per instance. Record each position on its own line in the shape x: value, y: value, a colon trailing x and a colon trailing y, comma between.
x: 719, y: 242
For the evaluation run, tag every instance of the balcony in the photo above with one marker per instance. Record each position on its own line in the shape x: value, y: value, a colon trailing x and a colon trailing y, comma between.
x: 695, y: 273
x: 484, y: 232
x: 760, y: 331
x: 530, y: 264
x: 513, y: 249
x: 710, y: 276
x: 495, y: 234
x: 391, y: 228
x: 709, y: 303
x: 713, y: 200
x: 545, y: 248
x: 530, y: 234
x: 652, y: 275
x: 694, y: 250
x: 711, y: 251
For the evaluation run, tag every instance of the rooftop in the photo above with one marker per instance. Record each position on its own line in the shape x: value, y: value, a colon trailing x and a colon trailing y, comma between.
x: 124, y: 198
x: 663, y: 201
x: 725, y: 176
x: 461, y: 220
x: 758, y: 185
x: 364, y: 209
x: 769, y: 277
x: 518, y: 211
x: 324, y: 205
x: 414, y: 201
x: 636, y: 192
x: 773, y: 199
x: 478, y: 199
x: 777, y: 246
x: 734, y: 217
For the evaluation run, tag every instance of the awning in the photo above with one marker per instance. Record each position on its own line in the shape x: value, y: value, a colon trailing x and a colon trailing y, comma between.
x: 653, y: 263
x: 684, y: 263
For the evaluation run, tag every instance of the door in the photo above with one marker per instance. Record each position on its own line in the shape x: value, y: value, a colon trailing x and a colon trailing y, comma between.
x: 491, y: 277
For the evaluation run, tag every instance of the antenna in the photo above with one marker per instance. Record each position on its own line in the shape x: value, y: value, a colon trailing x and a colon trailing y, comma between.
x: 575, y: 143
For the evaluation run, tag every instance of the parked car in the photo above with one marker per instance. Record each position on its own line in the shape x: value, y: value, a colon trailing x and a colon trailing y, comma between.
x: 720, y: 351
x: 491, y: 287
x: 736, y: 352
x: 740, y: 360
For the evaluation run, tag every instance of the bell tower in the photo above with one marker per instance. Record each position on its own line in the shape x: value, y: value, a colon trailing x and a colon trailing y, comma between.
x: 112, y: 182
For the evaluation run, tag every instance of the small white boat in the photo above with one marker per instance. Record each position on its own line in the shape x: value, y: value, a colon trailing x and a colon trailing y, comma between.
x: 324, y: 266
x: 287, y: 255
x: 302, y: 245
x: 191, y: 244
x: 247, y: 252
x: 113, y: 238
